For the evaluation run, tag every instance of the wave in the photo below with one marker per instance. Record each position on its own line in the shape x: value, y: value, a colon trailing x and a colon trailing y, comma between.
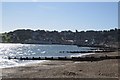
x: 5, y: 63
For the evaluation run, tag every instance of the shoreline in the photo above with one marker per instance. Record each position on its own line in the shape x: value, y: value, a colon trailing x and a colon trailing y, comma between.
x: 40, y: 61
x: 66, y: 69
x: 24, y: 64
x: 78, y: 45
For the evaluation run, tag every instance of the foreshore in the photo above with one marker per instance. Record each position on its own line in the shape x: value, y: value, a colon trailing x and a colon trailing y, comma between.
x: 66, y: 69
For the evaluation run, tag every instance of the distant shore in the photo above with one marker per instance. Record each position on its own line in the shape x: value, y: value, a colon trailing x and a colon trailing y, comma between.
x: 66, y: 69
x: 97, y: 46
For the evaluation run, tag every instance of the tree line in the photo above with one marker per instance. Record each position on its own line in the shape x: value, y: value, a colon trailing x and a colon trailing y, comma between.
x: 91, y: 37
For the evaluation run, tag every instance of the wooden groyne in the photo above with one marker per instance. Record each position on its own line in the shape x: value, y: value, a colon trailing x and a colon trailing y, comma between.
x: 102, y: 47
x: 92, y: 51
x: 87, y: 58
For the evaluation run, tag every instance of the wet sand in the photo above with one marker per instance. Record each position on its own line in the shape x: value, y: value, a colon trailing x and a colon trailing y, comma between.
x: 66, y: 69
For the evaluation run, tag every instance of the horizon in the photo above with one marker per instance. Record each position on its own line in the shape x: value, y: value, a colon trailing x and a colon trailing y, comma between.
x: 59, y: 31
x: 59, y: 16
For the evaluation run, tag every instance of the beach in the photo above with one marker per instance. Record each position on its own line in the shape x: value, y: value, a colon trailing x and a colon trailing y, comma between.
x: 66, y: 69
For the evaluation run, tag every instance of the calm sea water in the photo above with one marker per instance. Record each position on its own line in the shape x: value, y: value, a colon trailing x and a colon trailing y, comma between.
x: 34, y: 50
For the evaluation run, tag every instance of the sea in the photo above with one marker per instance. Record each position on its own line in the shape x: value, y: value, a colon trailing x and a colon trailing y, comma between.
x: 35, y: 50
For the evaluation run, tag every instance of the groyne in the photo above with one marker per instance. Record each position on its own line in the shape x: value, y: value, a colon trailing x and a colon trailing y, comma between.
x: 86, y: 58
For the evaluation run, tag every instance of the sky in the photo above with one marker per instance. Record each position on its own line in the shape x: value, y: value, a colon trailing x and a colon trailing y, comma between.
x: 59, y: 16
x: 60, y: 0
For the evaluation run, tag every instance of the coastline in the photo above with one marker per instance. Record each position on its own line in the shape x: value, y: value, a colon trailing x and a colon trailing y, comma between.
x: 66, y: 69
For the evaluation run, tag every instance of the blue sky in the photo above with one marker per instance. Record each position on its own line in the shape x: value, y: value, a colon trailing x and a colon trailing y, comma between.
x: 59, y: 15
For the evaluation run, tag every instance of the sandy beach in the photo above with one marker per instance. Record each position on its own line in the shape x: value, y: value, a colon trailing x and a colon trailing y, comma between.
x: 66, y: 69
